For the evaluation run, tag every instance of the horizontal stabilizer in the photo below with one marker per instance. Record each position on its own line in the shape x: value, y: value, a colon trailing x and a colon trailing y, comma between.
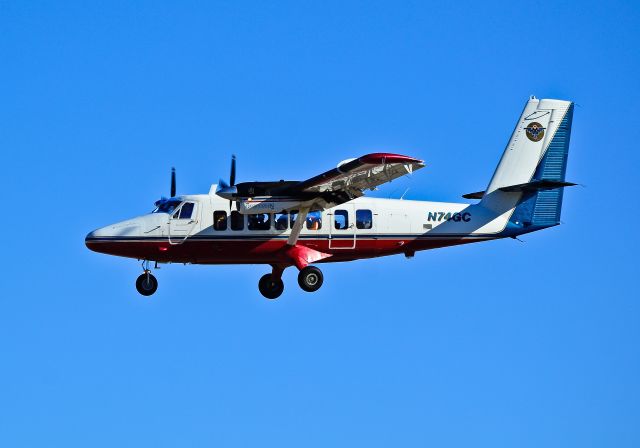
x: 537, y: 185
x: 476, y: 195
x: 529, y: 186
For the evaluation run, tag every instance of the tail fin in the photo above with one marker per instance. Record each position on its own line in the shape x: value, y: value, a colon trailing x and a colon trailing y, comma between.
x: 536, y: 159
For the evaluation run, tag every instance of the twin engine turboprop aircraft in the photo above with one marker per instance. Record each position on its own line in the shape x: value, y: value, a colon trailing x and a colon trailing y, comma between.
x: 327, y: 219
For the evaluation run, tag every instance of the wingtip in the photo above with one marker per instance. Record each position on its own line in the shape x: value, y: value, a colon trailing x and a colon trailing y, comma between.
x: 385, y: 157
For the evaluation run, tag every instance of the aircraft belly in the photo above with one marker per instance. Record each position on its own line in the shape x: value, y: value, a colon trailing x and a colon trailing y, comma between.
x: 268, y: 250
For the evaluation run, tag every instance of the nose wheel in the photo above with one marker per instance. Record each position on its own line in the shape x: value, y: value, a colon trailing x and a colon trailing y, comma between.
x: 146, y: 284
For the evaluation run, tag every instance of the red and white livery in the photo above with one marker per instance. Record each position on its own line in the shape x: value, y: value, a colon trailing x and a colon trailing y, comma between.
x: 327, y: 218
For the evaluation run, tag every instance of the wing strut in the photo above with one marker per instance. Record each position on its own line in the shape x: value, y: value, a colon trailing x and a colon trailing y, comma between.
x: 297, y: 227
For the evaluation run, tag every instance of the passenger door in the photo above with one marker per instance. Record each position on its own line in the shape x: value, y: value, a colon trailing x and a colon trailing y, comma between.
x: 342, y: 228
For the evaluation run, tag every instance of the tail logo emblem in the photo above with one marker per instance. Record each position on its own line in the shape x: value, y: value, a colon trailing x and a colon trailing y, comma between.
x: 535, y: 132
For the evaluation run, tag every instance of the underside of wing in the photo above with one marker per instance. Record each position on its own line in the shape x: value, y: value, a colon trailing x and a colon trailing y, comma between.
x: 355, y: 176
x: 349, y: 180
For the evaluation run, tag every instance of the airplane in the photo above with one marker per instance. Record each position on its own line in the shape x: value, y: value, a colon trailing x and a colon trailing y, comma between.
x: 328, y: 219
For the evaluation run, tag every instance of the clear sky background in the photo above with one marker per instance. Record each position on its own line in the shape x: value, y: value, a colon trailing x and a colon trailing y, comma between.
x: 499, y: 344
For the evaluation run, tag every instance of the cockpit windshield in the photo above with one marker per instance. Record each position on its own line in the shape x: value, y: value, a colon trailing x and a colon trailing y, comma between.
x: 167, y: 206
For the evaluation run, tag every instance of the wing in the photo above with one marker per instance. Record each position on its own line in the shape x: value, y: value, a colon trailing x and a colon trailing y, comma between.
x: 349, y: 180
x: 355, y: 176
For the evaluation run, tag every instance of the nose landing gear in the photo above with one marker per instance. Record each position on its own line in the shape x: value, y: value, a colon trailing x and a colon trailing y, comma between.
x: 146, y: 284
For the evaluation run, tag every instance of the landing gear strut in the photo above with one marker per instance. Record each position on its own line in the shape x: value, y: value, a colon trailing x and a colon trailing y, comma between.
x: 146, y: 284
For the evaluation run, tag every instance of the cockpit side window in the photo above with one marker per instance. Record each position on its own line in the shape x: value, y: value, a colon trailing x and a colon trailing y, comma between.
x: 186, y: 210
x: 167, y: 207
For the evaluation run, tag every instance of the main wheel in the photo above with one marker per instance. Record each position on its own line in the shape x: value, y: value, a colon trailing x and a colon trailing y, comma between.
x: 271, y: 289
x: 310, y: 278
x: 146, y: 284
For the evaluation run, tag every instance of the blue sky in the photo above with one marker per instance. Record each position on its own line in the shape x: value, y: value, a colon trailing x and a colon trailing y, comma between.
x: 498, y: 344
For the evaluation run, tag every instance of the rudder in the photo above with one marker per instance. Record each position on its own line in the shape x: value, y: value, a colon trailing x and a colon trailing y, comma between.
x: 543, y: 207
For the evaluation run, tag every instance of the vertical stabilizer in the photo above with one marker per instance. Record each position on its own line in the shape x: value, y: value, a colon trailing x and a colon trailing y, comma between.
x: 537, y: 151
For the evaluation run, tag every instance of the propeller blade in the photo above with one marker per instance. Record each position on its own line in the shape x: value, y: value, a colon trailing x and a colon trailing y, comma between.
x: 173, y: 182
x: 232, y: 176
x: 228, y: 190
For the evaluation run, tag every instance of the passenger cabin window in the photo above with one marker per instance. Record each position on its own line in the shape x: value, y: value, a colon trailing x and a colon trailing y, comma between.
x: 220, y: 220
x: 186, y: 210
x: 237, y: 220
x: 314, y: 220
x: 259, y: 221
x: 293, y: 215
x: 364, y: 219
x: 282, y: 221
x: 341, y: 219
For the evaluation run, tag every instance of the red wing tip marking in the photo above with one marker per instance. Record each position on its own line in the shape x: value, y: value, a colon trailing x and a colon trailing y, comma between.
x: 384, y: 157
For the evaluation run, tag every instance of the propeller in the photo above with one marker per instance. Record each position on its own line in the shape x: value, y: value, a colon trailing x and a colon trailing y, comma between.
x: 229, y: 190
x: 173, y: 188
x: 232, y: 175
x: 173, y: 182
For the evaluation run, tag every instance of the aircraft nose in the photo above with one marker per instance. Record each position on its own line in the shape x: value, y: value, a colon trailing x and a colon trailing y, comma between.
x: 94, y: 239
x: 100, y: 238
x: 91, y: 239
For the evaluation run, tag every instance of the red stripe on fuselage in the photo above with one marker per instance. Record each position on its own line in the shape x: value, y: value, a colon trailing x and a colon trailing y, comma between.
x: 263, y: 251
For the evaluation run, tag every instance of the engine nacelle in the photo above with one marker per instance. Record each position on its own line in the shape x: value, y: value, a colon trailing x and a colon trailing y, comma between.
x: 267, y: 205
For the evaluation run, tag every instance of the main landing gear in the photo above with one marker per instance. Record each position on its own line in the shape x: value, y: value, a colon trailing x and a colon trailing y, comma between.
x: 310, y: 279
x: 271, y: 285
x: 146, y: 284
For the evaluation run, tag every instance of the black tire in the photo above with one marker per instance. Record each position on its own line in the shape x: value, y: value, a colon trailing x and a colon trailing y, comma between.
x: 146, y: 284
x: 310, y: 278
x: 269, y: 288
